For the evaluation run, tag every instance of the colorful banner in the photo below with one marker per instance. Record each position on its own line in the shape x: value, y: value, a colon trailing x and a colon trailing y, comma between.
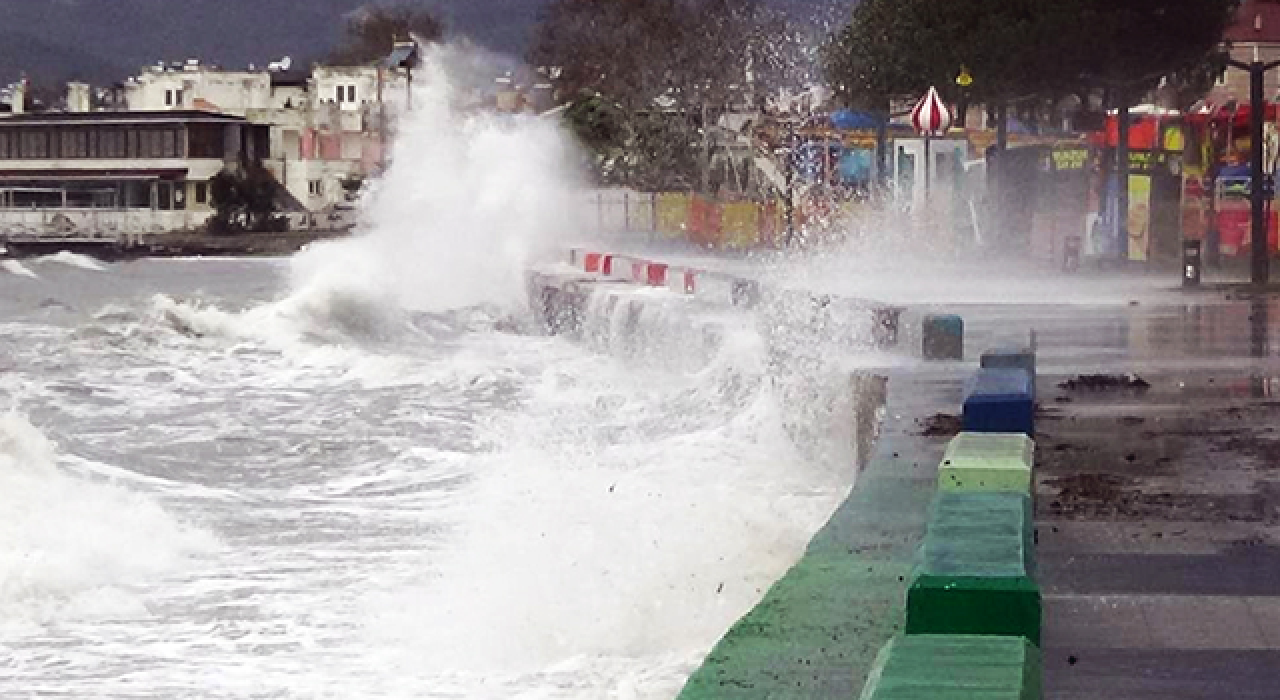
x: 741, y: 224
x: 1139, y: 217
x: 673, y: 213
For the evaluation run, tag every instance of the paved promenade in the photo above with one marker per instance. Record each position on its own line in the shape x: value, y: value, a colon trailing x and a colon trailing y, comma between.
x: 1158, y: 513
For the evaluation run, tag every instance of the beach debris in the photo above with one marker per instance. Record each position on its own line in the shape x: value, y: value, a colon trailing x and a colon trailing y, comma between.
x: 1100, y: 382
x: 942, y: 425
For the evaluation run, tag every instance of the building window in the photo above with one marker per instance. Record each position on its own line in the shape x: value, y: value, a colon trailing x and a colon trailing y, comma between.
x: 34, y: 143
x: 315, y: 188
x: 342, y: 93
x: 168, y: 98
x: 169, y: 143
x: 351, y: 93
x: 202, y: 192
x: 177, y: 97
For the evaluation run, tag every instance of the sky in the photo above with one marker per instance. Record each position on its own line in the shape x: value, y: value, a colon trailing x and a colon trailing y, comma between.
x: 106, y: 40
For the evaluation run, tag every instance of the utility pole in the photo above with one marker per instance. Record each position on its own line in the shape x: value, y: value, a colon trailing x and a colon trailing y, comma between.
x: 1122, y: 175
x: 706, y: 149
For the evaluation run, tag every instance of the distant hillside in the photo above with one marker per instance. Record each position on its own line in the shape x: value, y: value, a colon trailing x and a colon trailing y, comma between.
x: 106, y: 40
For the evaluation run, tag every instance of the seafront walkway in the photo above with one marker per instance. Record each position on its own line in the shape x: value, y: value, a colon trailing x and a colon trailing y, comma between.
x: 1156, y: 509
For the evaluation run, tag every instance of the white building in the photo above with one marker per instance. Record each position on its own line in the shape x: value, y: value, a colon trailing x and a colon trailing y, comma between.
x: 108, y: 174
x: 329, y: 129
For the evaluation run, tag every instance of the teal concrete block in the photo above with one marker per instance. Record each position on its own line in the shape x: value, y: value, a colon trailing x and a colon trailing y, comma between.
x: 1011, y: 358
x: 942, y: 337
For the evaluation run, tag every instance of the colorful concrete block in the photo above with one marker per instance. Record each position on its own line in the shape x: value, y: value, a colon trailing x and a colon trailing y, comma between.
x: 976, y: 568
x: 955, y: 667
x: 1012, y: 358
x: 942, y: 337
x: 987, y: 462
x: 999, y: 401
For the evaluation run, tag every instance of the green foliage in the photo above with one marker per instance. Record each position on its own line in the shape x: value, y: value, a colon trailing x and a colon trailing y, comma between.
x: 642, y: 149
x: 1021, y: 49
x: 662, y: 151
x: 633, y: 51
x: 642, y: 71
x: 245, y: 201
x: 598, y: 124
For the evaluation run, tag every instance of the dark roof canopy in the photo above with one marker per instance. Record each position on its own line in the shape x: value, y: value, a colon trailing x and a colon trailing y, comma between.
x: 290, y: 78
x: 171, y: 117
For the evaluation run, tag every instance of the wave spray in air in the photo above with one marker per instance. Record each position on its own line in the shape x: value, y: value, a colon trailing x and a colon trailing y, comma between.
x: 470, y: 199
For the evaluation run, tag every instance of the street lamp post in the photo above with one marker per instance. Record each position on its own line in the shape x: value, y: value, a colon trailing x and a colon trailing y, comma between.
x: 1260, y: 248
x: 789, y: 205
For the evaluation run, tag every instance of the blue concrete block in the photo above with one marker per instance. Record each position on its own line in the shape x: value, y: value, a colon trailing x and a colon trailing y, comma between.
x: 999, y: 401
x: 1012, y: 358
x: 942, y: 337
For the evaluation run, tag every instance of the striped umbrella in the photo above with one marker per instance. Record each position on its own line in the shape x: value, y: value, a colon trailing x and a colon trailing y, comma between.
x: 931, y: 116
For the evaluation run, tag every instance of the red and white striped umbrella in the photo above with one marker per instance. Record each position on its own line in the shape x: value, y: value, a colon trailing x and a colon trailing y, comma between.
x: 931, y: 116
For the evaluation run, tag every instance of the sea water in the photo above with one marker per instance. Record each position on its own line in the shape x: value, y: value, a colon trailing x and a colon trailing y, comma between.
x: 359, y: 473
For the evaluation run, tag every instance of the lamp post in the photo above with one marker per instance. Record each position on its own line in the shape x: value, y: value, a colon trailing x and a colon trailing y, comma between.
x: 1260, y: 247
x: 404, y: 54
x: 789, y: 205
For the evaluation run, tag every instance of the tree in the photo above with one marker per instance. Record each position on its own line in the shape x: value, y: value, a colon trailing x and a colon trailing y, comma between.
x: 1021, y: 49
x: 245, y: 201
x: 690, y: 50
x: 372, y: 31
x: 665, y: 67
x: 625, y: 50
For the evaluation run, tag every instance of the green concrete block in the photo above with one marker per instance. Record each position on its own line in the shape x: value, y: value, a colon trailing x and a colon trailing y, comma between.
x: 975, y: 572
x: 987, y: 462
x: 817, y: 631
x: 974, y: 605
x: 960, y: 667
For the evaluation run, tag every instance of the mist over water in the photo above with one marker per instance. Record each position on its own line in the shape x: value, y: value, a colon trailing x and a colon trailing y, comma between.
x: 351, y: 474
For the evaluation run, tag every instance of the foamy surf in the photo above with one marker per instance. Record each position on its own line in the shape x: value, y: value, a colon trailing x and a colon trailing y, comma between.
x: 66, y: 542
x: 17, y: 269
x: 66, y: 257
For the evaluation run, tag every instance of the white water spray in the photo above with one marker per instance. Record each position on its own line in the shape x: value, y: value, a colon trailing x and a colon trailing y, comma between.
x: 470, y: 199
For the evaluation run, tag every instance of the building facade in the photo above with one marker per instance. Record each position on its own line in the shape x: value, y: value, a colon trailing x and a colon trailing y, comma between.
x: 328, y: 128
x: 107, y: 174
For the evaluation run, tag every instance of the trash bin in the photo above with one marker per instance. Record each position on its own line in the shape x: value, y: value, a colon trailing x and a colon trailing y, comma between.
x: 1071, y: 253
x: 1192, y: 262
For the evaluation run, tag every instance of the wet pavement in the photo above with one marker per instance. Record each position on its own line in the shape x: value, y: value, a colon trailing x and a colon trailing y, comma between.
x: 1158, y: 512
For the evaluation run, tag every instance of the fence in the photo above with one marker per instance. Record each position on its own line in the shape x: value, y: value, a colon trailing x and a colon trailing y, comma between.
x: 705, y: 222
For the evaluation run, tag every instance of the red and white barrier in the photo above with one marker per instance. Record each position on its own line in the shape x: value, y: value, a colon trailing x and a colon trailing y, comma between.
x: 711, y: 286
